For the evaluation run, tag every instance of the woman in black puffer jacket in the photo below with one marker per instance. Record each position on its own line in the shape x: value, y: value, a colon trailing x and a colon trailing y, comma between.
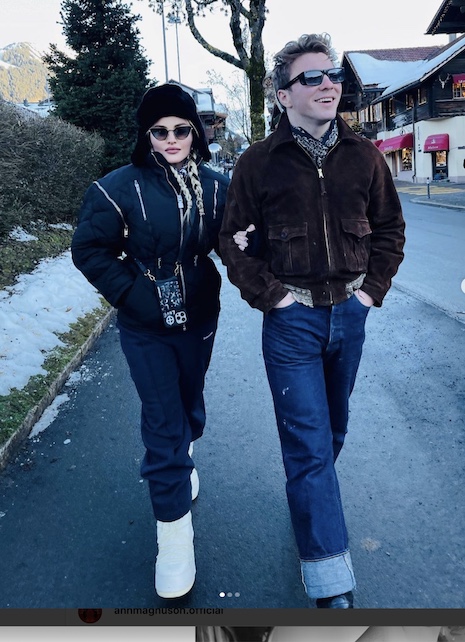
x: 143, y: 238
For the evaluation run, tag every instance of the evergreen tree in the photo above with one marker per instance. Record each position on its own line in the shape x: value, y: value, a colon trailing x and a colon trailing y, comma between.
x: 100, y: 87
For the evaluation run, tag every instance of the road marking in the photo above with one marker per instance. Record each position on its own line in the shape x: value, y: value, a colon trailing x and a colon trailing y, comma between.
x: 421, y: 190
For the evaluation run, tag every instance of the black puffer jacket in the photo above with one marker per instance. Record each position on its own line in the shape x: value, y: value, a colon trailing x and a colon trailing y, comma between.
x: 132, y: 213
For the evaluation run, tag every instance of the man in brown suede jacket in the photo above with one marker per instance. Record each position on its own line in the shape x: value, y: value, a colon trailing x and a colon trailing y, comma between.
x: 329, y: 224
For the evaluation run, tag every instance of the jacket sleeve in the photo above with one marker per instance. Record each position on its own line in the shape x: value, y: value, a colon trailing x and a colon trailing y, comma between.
x: 98, y: 243
x: 387, y: 238
x: 219, y: 206
x: 251, y: 274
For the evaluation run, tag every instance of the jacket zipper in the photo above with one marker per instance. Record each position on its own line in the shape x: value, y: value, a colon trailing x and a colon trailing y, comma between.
x: 215, y: 199
x: 321, y: 178
x: 139, y: 194
x: 117, y: 208
x: 178, y: 269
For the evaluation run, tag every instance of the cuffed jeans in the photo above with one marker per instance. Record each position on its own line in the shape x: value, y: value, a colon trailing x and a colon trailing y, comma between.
x: 311, y: 357
x: 169, y: 373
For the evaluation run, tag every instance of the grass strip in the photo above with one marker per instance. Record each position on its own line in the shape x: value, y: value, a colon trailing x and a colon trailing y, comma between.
x: 21, y: 257
x: 15, y: 407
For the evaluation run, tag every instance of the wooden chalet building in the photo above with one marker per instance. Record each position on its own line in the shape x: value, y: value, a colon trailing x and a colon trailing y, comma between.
x: 411, y: 102
x: 212, y: 115
x: 450, y: 18
x: 368, y: 73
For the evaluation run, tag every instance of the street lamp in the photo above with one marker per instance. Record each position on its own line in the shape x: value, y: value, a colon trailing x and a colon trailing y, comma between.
x: 173, y: 18
x: 164, y: 38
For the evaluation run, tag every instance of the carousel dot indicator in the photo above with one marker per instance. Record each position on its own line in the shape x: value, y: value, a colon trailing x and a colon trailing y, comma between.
x: 222, y: 594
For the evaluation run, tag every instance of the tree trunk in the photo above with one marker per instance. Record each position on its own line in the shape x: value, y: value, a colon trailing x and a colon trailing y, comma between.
x: 255, y: 74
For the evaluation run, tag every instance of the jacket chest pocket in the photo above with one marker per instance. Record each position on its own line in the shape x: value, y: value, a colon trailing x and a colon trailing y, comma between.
x: 356, y: 243
x: 289, y: 249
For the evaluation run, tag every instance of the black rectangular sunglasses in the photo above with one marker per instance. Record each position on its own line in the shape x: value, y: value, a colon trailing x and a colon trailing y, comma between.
x: 314, y: 77
x: 180, y: 133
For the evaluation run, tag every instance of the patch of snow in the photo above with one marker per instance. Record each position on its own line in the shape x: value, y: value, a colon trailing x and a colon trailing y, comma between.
x: 61, y: 226
x: 34, y: 311
x: 49, y: 415
x: 18, y: 234
x: 78, y: 376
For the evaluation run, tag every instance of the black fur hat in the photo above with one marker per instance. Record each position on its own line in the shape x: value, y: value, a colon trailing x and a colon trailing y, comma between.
x: 167, y: 100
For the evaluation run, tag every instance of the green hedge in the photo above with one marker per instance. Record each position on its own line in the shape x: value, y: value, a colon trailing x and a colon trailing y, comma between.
x: 45, y: 167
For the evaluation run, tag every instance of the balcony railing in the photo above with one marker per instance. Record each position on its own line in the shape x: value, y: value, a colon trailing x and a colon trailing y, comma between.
x: 451, y: 107
x: 370, y: 127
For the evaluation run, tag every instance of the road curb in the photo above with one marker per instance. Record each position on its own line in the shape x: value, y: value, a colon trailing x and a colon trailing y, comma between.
x: 13, y: 444
x: 450, y: 206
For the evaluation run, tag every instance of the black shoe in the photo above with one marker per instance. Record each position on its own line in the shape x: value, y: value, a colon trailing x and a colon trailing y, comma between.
x: 345, y: 601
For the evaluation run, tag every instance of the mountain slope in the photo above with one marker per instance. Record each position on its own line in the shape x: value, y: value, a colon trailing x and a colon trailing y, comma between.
x: 23, y: 75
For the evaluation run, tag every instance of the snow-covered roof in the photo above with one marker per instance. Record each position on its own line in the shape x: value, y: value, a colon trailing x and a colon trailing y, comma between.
x: 203, y: 97
x: 424, y: 69
x: 204, y: 101
x: 379, y: 73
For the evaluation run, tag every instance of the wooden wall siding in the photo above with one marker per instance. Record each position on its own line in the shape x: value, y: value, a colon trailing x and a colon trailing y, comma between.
x: 449, y: 108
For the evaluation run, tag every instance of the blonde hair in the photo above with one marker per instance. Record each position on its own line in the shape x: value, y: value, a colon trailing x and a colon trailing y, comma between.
x: 191, y: 173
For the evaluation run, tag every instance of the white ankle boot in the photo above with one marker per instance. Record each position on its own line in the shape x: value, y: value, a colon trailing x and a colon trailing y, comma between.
x: 195, y: 483
x: 175, y: 565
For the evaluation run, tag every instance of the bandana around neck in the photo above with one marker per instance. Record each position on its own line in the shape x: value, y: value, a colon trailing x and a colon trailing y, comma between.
x: 317, y: 148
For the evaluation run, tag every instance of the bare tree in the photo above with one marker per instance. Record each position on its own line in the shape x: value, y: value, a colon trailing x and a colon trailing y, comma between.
x: 246, y: 22
x: 236, y: 91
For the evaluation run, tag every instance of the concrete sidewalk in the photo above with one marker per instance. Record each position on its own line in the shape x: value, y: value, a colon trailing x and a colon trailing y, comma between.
x: 441, y: 194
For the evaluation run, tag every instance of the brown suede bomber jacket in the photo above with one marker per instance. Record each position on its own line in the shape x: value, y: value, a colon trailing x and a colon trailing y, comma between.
x: 319, y: 229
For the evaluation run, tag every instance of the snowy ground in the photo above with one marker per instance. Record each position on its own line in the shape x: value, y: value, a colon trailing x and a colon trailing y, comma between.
x: 34, y: 311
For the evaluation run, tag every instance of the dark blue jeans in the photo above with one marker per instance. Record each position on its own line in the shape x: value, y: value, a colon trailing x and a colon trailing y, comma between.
x: 311, y: 357
x: 169, y: 373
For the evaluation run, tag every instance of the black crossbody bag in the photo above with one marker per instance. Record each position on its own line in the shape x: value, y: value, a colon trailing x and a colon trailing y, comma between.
x: 172, y: 305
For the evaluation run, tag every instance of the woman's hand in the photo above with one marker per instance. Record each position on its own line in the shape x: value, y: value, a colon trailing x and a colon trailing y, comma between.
x: 240, y: 237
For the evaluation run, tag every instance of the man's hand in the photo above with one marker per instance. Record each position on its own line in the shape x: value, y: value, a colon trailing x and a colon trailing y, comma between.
x: 287, y: 301
x: 364, y: 298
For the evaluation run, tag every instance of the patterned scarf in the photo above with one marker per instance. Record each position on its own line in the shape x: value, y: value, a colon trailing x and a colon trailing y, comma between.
x: 318, y: 149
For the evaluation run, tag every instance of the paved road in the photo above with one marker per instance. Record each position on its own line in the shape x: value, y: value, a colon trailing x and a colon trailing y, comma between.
x: 77, y: 531
x: 434, y: 264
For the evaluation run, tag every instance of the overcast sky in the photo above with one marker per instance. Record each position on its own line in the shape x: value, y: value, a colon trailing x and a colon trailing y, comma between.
x: 365, y: 24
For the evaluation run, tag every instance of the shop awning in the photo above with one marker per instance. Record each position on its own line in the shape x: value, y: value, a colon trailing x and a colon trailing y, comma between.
x: 436, y: 143
x: 378, y: 142
x: 456, y: 78
x: 397, y: 142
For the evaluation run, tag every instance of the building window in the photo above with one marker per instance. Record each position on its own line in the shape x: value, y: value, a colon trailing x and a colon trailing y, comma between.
x: 377, y: 112
x: 406, y: 159
x: 409, y: 101
x: 441, y: 159
x: 422, y: 97
x: 458, y: 89
x: 391, y: 107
